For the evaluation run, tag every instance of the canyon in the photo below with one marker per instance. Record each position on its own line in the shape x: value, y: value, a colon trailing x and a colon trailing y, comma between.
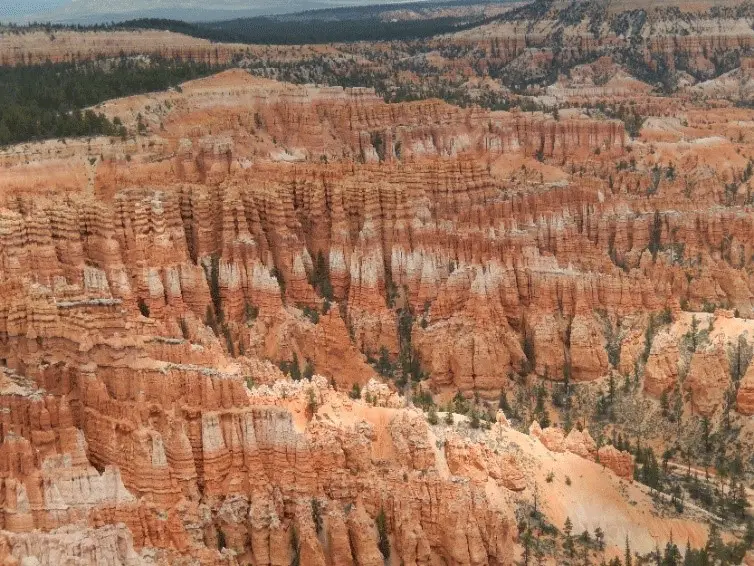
x: 293, y: 323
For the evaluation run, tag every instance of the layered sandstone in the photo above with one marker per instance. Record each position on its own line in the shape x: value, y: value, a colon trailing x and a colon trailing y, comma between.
x: 147, y: 296
x: 36, y: 47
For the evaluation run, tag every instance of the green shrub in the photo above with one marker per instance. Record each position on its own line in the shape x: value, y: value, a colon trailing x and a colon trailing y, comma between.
x: 432, y: 415
x: 384, y: 542
x: 143, y: 308
x: 317, y: 515
x: 355, y: 391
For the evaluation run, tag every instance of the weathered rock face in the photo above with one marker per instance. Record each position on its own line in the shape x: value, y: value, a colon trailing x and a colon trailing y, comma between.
x: 472, y: 460
x: 432, y: 253
x: 745, y: 396
x: 661, y: 371
x: 37, y: 47
x: 582, y: 444
x: 620, y: 462
x: 188, y: 454
x: 553, y: 438
x: 70, y: 545
x: 206, y: 236
x: 707, y: 381
x: 143, y: 282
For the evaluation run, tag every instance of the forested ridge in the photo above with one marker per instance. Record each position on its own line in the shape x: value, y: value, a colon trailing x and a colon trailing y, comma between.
x: 343, y: 24
x: 48, y: 101
x: 271, y: 31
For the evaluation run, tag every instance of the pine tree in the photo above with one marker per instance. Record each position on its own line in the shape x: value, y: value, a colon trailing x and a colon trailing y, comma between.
x: 432, y: 415
x: 585, y: 556
x: 308, y: 370
x: 749, y: 534
x: 295, y: 369
x: 355, y: 391
x: 628, y: 559
x: 714, y: 541
x: 474, y: 419
x: 526, y: 541
x: 295, y: 548
x: 568, y: 545
x: 739, y: 358
x: 539, y: 552
x: 311, y: 404
x: 321, y: 277
x: 599, y: 536
x: 317, y: 515
x: 449, y: 416
x: 664, y: 404
x: 209, y: 319
x: 221, y: 542
x: 384, y: 542
x: 706, y: 435
x: 503, y: 403
x: 672, y: 556
x: 655, y: 235
x: 692, y: 334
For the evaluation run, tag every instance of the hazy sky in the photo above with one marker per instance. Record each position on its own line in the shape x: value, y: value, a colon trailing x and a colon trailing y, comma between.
x: 23, y: 9
x: 20, y: 7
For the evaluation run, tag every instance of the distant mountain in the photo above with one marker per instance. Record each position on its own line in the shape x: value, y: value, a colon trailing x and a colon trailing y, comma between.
x: 99, y: 11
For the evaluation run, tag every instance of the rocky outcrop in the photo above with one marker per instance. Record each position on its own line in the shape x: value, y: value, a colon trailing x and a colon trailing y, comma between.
x: 620, y: 462
x: 180, y: 329
x: 661, y: 370
x: 37, y: 47
x: 477, y: 462
x: 580, y: 442
x: 707, y: 381
x: 745, y: 395
x: 553, y: 438
x: 187, y: 449
x: 109, y: 545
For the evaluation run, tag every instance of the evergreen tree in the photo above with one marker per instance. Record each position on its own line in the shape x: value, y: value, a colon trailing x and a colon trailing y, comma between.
x: 317, y: 515
x: 46, y: 101
x: 308, y: 370
x: 585, y: 556
x: 599, y: 537
x: 384, y: 542
x: 739, y: 358
x: 688, y: 556
x: 221, y: 542
x: 474, y: 419
x: 295, y: 369
x: 714, y: 541
x: 503, y: 403
x: 655, y: 234
x: 321, y: 277
x: 672, y: 556
x: 749, y: 534
x: 384, y: 366
x: 526, y: 542
x: 568, y: 545
x: 295, y: 548
x: 539, y: 552
x: 355, y: 391
x: 432, y: 415
x: 449, y: 416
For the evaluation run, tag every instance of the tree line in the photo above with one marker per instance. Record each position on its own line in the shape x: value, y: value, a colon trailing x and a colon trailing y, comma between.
x: 49, y: 101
